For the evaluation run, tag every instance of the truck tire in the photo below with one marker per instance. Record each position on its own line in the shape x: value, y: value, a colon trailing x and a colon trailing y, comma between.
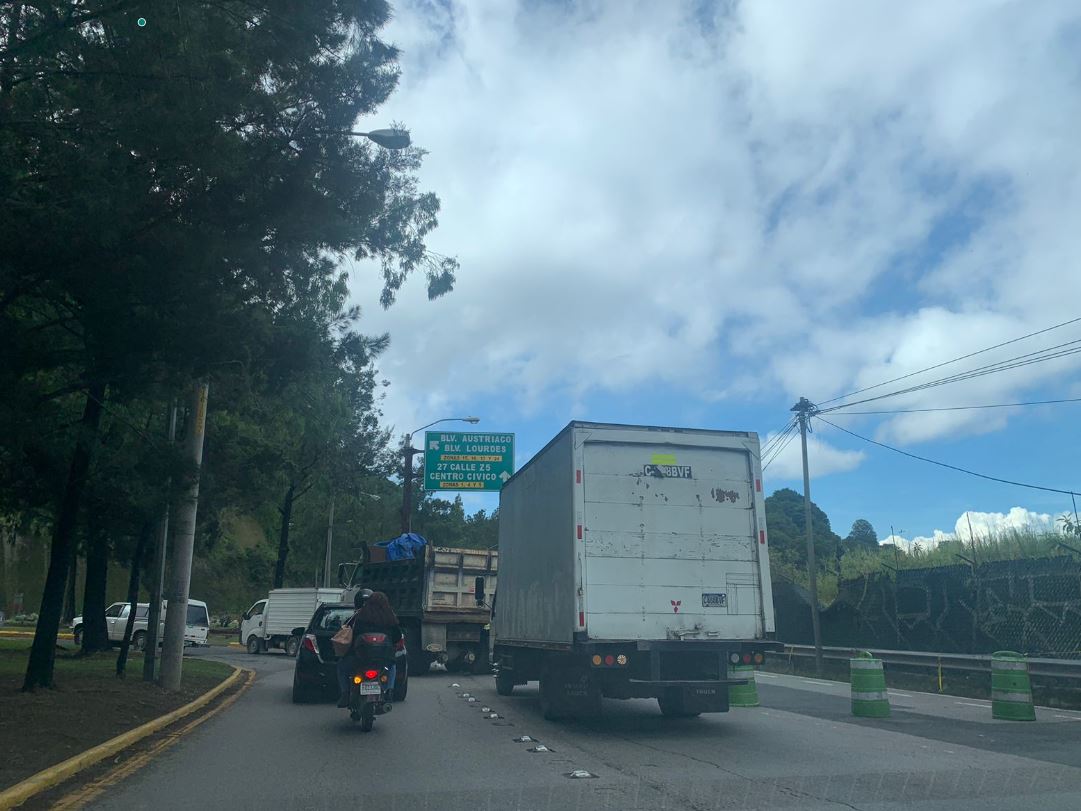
x: 671, y: 705
x: 78, y: 636
x: 138, y: 640
x: 292, y: 646
x: 504, y: 682
x: 255, y: 645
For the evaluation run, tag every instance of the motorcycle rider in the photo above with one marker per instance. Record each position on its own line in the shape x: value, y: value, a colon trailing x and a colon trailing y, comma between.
x: 373, y: 615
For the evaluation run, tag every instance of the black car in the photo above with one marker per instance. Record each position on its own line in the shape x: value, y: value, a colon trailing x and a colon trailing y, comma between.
x: 315, y: 677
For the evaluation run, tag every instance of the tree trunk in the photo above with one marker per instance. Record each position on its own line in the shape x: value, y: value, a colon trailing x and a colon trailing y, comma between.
x: 69, y: 599
x: 95, y: 628
x: 133, y: 597
x: 283, y: 539
x: 39, y: 669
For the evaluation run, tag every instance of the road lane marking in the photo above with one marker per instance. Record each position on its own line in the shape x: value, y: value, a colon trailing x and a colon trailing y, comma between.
x: 824, y: 683
x: 970, y: 704
x: 765, y: 675
x: 1070, y: 717
x: 900, y: 695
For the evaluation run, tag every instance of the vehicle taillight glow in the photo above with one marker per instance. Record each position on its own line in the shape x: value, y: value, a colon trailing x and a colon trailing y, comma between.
x: 609, y: 660
x: 357, y: 679
x: 370, y: 674
x: 374, y: 639
x: 309, y: 644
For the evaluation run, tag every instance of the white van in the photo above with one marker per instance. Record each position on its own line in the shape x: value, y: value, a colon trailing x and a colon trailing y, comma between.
x: 116, y: 620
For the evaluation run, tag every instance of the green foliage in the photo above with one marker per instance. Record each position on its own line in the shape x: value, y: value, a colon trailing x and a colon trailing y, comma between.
x: 785, y: 520
x: 861, y: 536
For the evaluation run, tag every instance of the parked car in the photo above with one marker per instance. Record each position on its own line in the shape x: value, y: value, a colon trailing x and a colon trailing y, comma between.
x: 116, y: 620
x: 315, y: 675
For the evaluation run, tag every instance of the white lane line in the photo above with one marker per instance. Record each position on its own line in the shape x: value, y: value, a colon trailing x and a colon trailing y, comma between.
x: 1070, y: 717
x: 825, y: 683
x: 765, y: 675
x: 899, y: 695
x: 970, y: 704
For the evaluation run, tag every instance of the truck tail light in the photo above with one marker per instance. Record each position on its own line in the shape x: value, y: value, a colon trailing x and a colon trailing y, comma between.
x: 609, y: 660
x: 746, y: 658
x: 621, y: 659
x: 734, y: 658
x: 758, y: 658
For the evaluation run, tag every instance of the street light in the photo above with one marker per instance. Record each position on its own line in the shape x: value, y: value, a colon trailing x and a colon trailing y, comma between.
x: 388, y: 139
x: 407, y: 469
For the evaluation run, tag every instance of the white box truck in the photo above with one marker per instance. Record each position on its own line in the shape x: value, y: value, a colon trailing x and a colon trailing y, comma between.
x: 633, y: 564
x: 273, y: 622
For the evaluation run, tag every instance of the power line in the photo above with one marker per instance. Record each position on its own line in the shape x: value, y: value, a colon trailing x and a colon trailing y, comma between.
x: 954, y: 360
x: 839, y: 413
x: 951, y: 467
x: 778, y: 443
x: 777, y: 437
x: 780, y: 450
x: 1027, y: 359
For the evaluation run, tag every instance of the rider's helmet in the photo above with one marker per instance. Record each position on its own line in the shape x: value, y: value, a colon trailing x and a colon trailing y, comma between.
x: 361, y: 597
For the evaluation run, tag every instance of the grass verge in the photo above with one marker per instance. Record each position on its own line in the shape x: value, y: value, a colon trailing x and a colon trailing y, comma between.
x: 88, y: 706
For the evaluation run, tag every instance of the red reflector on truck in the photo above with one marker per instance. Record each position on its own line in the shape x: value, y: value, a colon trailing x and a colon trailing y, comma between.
x: 579, y: 532
x: 761, y: 536
x: 581, y: 617
x: 758, y: 485
x: 578, y: 477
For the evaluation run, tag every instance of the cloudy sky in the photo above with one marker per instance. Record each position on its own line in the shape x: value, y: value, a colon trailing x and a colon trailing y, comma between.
x: 692, y: 214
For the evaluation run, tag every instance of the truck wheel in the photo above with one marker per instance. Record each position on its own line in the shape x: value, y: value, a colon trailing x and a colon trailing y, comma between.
x: 78, y: 635
x: 672, y: 707
x: 138, y: 640
x: 292, y: 646
x: 504, y: 682
x: 255, y: 645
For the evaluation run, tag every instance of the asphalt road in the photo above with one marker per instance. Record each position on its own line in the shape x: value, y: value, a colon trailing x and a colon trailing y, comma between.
x: 800, y: 749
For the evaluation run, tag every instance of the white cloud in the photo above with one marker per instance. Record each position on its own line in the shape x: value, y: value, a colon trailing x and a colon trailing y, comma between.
x: 822, y: 459
x: 643, y: 199
x: 984, y: 526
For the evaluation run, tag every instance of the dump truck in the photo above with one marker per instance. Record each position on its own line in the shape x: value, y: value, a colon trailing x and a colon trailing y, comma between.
x: 433, y: 596
x: 634, y: 564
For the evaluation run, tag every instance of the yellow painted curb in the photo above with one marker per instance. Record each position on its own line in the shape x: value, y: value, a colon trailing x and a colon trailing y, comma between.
x: 30, y: 634
x: 47, y: 778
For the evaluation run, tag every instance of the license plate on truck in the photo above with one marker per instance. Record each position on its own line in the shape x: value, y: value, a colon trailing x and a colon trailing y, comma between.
x: 714, y: 600
x: 370, y: 688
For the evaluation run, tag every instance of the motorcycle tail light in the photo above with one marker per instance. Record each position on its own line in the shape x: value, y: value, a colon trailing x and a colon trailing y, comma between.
x: 357, y: 679
x: 370, y: 674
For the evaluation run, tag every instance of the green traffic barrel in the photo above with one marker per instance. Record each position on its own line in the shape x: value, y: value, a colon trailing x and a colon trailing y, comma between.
x: 1011, y: 692
x: 742, y: 695
x: 869, y: 699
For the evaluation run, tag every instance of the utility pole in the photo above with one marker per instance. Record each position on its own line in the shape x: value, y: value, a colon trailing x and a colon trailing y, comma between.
x: 407, y: 484
x: 157, y: 585
x: 176, y: 614
x: 330, y: 544
x: 804, y: 409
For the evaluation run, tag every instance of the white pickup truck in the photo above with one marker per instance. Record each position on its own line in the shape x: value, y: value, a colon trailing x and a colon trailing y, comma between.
x: 116, y: 619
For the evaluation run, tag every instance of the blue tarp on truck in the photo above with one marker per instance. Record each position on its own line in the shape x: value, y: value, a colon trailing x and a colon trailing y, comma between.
x: 404, y: 547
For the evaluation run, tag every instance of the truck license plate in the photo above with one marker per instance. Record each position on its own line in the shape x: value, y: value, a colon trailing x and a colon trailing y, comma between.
x: 714, y: 600
x: 370, y: 688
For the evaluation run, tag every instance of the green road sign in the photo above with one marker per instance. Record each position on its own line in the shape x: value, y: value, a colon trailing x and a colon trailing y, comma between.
x: 458, y: 460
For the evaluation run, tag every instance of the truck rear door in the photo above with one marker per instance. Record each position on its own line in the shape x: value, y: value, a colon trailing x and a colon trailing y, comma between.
x: 670, y: 539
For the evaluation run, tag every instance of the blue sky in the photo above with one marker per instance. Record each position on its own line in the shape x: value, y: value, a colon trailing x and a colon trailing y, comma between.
x: 668, y: 217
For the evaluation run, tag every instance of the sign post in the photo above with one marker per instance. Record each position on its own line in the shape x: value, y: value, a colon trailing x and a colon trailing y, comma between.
x: 458, y: 460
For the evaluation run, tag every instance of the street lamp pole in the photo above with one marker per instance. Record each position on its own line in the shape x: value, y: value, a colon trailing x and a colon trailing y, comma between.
x: 408, y: 452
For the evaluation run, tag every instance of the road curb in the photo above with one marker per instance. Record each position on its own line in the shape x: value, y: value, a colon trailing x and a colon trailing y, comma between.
x: 30, y: 634
x: 52, y: 776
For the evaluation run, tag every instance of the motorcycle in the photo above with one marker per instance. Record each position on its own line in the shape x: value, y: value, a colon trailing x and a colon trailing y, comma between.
x: 370, y: 694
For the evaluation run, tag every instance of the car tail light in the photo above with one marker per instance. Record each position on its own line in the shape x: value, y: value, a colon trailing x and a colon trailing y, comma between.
x: 370, y: 674
x: 374, y: 639
x: 310, y: 643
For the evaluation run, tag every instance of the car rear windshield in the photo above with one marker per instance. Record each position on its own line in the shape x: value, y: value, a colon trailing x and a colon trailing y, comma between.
x: 331, y: 619
x: 197, y: 616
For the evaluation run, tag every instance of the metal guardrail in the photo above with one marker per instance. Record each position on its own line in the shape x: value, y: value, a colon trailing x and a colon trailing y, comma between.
x: 1051, y: 668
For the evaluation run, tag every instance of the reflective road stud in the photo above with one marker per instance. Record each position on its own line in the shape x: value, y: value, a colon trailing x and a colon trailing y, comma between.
x: 1011, y: 693
x: 742, y: 695
x: 869, y: 699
